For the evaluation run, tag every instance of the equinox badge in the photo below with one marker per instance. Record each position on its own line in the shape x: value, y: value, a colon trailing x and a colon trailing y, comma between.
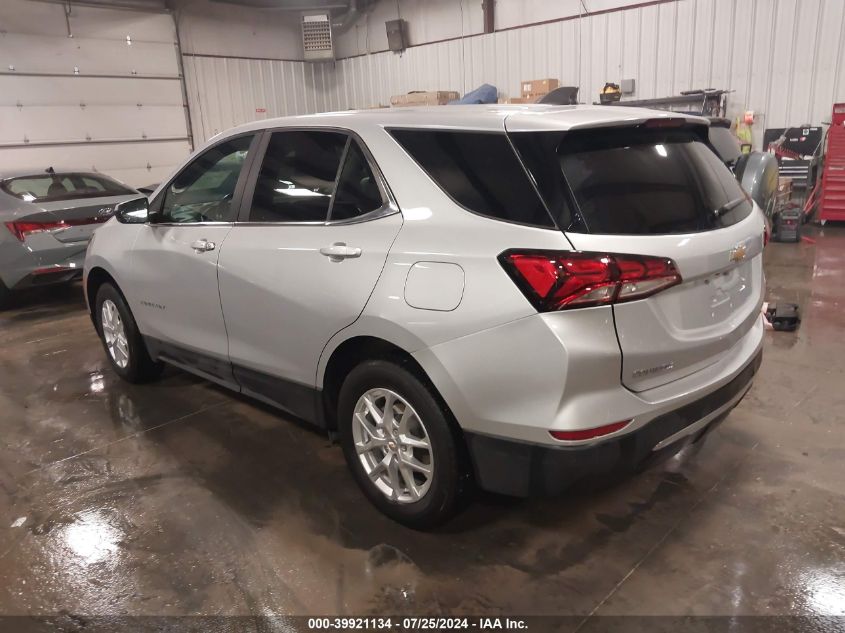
x: 639, y: 373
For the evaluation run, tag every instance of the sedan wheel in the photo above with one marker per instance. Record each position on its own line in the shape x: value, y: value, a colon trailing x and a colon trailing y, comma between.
x: 115, y: 334
x: 393, y: 446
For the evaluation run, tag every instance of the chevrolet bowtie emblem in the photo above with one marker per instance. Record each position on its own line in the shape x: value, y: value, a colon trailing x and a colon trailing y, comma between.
x: 738, y: 253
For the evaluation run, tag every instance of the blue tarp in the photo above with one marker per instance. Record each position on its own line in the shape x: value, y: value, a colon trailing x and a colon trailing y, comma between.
x: 485, y: 93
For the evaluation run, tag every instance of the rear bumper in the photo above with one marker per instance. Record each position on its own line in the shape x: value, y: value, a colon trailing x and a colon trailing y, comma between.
x: 21, y: 267
x: 47, y: 275
x: 525, y: 469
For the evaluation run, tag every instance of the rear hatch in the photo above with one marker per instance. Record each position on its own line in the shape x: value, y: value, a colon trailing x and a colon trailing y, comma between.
x: 657, y: 189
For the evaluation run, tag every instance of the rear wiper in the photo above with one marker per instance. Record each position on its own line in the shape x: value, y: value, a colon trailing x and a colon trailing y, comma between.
x: 728, y: 206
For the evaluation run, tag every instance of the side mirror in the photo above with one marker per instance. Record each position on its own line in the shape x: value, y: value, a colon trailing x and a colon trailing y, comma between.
x: 135, y: 211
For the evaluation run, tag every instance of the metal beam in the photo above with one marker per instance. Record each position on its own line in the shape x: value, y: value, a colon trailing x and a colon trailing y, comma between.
x: 144, y: 6
x: 115, y: 141
x: 184, y: 85
x: 289, y: 5
x: 15, y: 73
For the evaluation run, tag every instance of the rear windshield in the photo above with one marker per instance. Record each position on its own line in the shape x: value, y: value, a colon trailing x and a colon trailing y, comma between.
x: 632, y: 181
x: 54, y: 187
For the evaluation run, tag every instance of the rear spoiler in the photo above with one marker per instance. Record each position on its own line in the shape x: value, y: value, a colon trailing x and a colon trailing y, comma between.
x: 637, y: 118
x: 699, y: 127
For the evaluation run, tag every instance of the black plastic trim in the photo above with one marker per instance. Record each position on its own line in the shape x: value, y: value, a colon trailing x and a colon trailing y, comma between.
x: 199, y: 363
x: 296, y: 398
x: 303, y: 401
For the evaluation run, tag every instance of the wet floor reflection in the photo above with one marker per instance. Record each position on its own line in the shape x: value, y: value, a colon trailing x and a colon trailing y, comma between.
x: 89, y: 537
x: 179, y: 498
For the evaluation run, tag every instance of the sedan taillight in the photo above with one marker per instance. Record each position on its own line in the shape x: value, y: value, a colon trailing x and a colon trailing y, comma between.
x: 21, y: 229
x: 560, y: 281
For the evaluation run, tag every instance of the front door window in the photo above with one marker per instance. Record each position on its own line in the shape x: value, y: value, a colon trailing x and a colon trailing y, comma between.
x: 203, y: 191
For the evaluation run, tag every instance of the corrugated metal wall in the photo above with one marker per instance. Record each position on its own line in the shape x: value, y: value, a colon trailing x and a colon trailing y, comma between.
x: 782, y: 58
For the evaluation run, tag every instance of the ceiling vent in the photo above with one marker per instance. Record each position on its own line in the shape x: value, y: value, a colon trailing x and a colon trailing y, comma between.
x: 317, y: 37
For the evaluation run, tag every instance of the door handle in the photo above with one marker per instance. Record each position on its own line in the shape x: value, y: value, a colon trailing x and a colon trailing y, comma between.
x: 339, y: 251
x: 202, y: 246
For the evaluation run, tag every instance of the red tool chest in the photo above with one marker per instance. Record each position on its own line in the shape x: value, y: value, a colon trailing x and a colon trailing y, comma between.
x: 833, y: 179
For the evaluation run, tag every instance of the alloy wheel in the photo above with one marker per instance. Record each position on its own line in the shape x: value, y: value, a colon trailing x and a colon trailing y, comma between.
x: 393, y: 445
x: 114, y: 334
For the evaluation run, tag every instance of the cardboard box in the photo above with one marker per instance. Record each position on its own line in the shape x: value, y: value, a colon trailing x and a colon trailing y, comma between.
x: 538, y: 87
x: 518, y: 100
x: 420, y: 98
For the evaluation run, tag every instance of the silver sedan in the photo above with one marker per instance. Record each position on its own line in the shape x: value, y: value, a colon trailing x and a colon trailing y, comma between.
x: 46, y: 220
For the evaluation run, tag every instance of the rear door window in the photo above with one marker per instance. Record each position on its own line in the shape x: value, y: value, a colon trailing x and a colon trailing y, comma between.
x: 634, y: 181
x: 297, y: 177
x: 479, y: 171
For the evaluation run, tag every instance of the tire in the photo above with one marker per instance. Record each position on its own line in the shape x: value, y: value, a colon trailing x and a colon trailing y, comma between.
x: 131, y: 362
x: 443, y: 491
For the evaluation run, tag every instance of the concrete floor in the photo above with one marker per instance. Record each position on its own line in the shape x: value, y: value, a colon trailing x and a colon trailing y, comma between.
x: 180, y: 498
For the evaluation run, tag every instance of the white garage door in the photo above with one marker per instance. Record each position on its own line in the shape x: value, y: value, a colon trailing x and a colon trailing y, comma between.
x: 98, y: 89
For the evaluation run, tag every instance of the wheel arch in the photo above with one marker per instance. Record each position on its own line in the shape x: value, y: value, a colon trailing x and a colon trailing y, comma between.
x: 351, y: 351
x: 94, y: 279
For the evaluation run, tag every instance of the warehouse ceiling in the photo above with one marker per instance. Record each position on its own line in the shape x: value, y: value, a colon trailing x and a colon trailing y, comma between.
x: 344, y: 12
x: 160, y: 5
x: 144, y: 5
x: 291, y: 5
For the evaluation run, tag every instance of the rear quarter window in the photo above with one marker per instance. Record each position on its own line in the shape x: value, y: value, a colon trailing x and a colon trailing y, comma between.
x: 479, y: 171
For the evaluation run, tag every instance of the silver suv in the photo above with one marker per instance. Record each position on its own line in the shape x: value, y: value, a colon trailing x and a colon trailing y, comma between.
x: 519, y: 297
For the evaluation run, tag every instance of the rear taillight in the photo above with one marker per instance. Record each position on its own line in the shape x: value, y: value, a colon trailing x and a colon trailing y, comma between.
x: 21, y: 229
x: 560, y: 281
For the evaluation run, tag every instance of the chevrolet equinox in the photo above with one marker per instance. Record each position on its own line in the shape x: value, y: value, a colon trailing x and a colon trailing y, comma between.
x: 516, y: 297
